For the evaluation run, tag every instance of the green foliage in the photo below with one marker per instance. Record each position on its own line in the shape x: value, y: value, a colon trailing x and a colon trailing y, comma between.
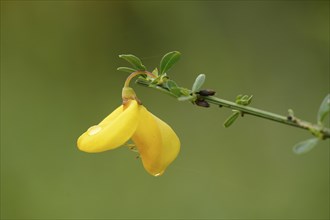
x: 134, y: 61
x: 241, y: 100
x: 305, y: 146
x: 291, y: 113
x: 173, y: 87
x: 168, y: 61
x: 244, y: 99
x: 324, y: 109
x: 126, y: 69
x: 231, y: 119
x: 155, y: 72
x: 199, y: 81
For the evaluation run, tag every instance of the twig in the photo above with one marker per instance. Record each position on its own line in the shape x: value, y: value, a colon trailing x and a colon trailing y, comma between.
x: 317, y: 130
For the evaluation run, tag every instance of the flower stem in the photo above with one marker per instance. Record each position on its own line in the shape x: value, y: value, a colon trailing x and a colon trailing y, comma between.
x: 136, y: 73
x: 317, y: 130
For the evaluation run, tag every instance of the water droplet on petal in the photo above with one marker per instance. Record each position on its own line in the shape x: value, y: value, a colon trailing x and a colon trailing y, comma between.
x: 159, y: 174
x: 94, y: 130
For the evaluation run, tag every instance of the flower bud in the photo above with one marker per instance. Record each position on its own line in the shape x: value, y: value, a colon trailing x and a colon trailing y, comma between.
x: 202, y: 103
x: 206, y: 92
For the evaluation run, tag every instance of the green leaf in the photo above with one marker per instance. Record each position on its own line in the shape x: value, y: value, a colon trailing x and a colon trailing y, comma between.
x: 126, y: 69
x: 170, y: 84
x: 305, y: 146
x: 231, y: 119
x: 324, y: 109
x: 155, y: 72
x: 199, y: 81
x: 168, y: 61
x: 173, y: 87
x: 249, y: 100
x: 291, y: 112
x: 244, y: 99
x: 238, y: 98
x: 134, y: 61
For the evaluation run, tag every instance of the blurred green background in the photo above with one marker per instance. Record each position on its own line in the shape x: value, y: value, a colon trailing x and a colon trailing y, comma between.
x: 58, y: 77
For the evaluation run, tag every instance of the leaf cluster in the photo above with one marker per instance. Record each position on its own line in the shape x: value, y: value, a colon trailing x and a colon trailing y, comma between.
x: 166, y: 63
x: 240, y: 100
x: 195, y: 95
x: 309, y: 144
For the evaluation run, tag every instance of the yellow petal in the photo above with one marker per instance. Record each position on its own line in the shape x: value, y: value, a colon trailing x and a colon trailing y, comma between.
x: 171, y: 144
x: 156, y: 142
x: 113, y: 131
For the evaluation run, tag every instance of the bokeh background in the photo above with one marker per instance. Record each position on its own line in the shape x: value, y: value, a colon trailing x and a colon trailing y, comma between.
x: 58, y: 77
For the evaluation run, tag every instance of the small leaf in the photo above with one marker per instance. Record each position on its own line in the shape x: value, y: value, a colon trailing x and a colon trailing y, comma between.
x: 238, y: 98
x: 155, y: 72
x: 176, y: 91
x: 324, y: 109
x: 243, y: 99
x: 231, y: 119
x: 134, y: 61
x: 199, y: 81
x: 305, y: 146
x: 168, y: 61
x: 249, y: 100
x: 170, y: 84
x: 291, y: 112
x: 126, y: 69
x: 173, y: 87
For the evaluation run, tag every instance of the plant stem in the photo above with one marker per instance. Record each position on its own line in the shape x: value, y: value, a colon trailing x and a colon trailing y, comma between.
x: 315, y: 129
x: 136, y: 73
x: 292, y: 121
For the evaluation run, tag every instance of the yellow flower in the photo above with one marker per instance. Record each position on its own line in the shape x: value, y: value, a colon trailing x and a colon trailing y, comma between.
x: 157, y: 143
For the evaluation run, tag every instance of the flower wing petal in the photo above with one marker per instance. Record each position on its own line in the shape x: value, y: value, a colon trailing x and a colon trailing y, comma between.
x: 171, y: 144
x: 156, y: 142
x: 113, y: 131
x: 147, y: 139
